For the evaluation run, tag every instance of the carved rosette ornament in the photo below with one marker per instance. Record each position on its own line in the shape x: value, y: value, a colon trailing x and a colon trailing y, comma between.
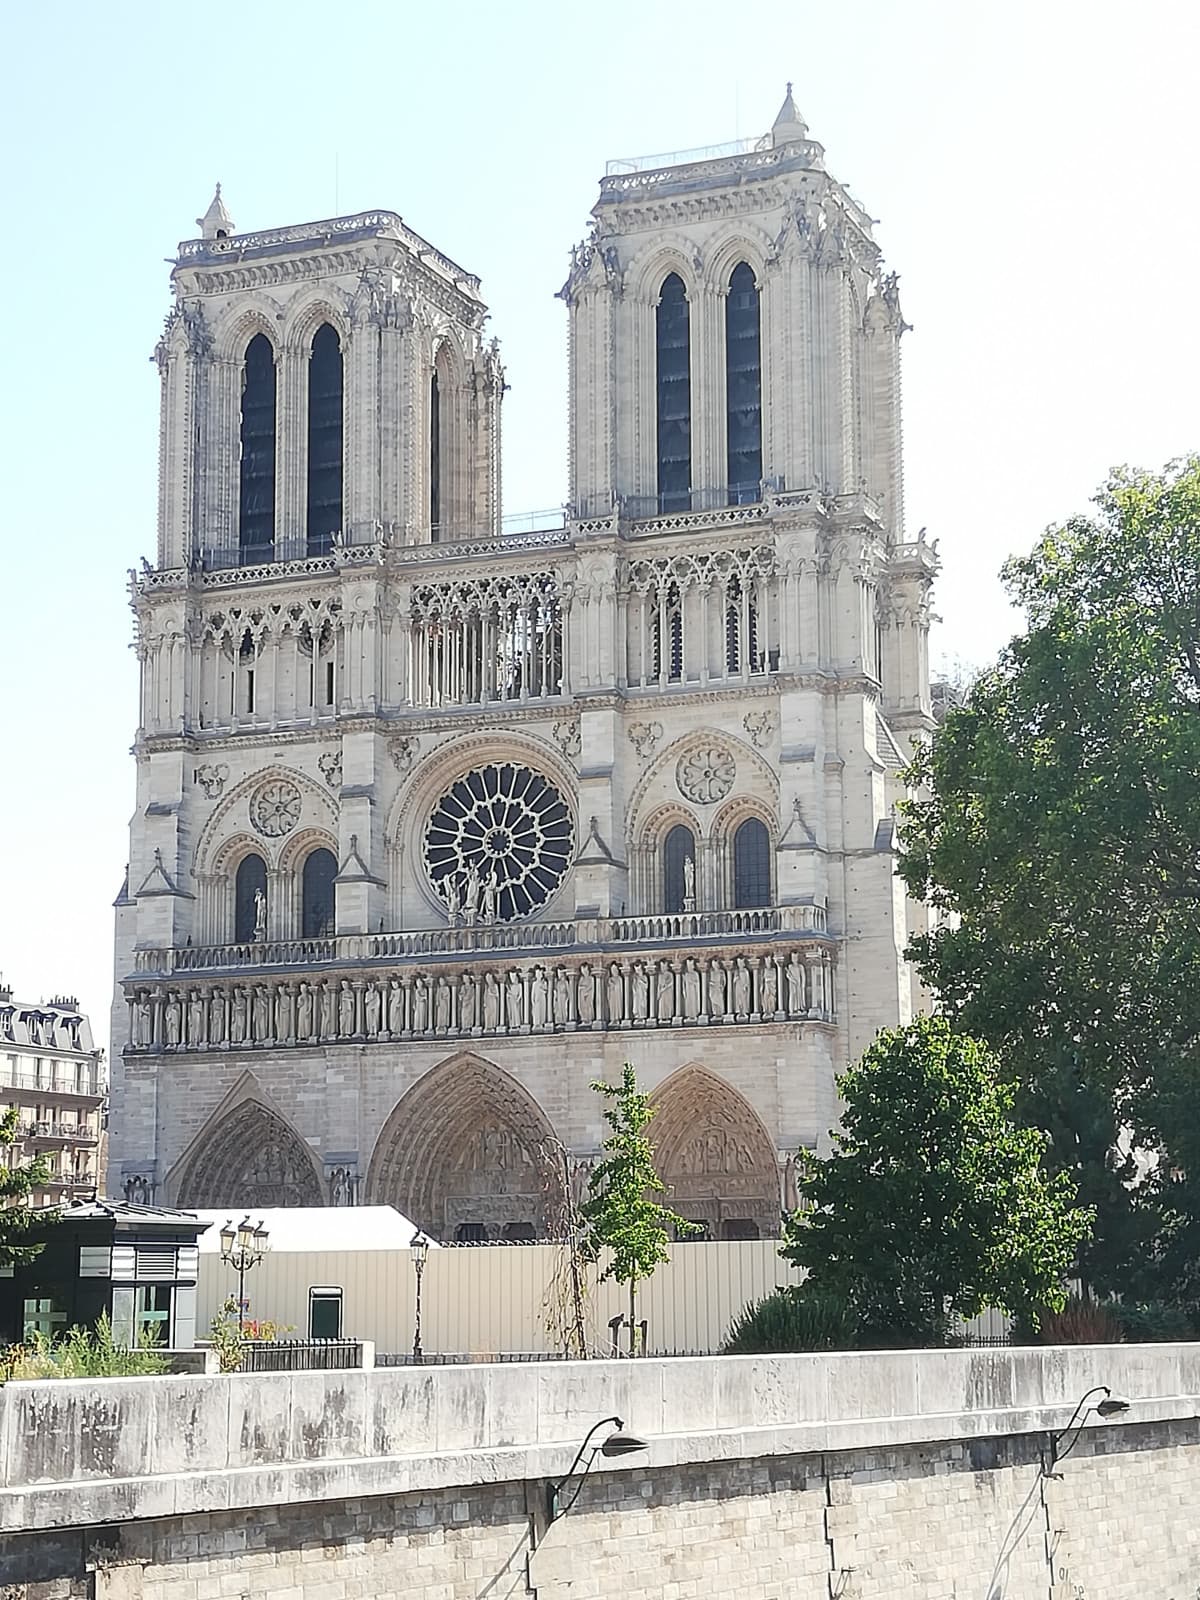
x: 275, y: 808
x: 706, y: 776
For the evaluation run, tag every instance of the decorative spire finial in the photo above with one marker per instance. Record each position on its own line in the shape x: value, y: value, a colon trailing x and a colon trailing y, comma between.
x: 789, y: 125
x: 216, y: 223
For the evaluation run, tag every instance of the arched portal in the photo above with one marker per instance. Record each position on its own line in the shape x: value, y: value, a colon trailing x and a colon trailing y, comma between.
x: 715, y: 1156
x: 250, y: 1158
x: 464, y: 1155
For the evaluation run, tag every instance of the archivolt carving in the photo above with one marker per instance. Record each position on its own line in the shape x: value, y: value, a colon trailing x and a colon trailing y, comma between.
x: 714, y: 1153
x: 464, y: 1146
x: 249, y: 1158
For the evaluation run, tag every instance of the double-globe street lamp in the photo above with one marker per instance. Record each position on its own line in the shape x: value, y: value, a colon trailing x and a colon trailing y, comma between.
x: 242, y: 1248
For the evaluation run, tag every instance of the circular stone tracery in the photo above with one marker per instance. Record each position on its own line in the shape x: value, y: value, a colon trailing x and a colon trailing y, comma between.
x: 706, y: 776
x: 275, y: 808
x: 505, y: 825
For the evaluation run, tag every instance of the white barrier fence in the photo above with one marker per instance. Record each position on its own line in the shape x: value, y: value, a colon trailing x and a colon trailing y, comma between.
x: 505, y: 1300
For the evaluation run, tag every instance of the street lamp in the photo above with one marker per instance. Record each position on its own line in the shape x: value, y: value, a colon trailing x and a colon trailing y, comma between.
x: 243, y: 1247
x: 419, y: 1251
x: 1110, y: 1406
x: 619, y: 1443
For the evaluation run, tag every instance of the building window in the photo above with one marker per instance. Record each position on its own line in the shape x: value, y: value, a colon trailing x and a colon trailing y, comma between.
x: 325, y: 1313
x: 674, y: 383
x: 152, y: 1314
x: 679, y: 848
x: 743, y: 388
x: 324, y: 440
x: 739, y: 1228
x: 256, y: 505
x: 741, y: 630
x: 751, y: 865
x: 316, y: 895
x: 669, y: 618
x: 435, y: 458
x: 40, y: 1317
x: 471, y: 1233
x: 251, y: 878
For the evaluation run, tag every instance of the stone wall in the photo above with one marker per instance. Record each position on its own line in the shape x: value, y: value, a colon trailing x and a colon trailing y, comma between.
x: 844, y: 1477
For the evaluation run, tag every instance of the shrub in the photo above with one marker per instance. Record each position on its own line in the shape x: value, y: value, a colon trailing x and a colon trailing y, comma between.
x: 791, y: 1319
x: 1079, y: 1322
x: 82, y: 1353
x: 1152, y: 1321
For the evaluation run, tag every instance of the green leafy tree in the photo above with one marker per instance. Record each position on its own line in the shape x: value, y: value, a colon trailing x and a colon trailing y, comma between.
x: 1058, y: 840
x: 934, y: 1202
x: 620, y: 1213
x: 17, y: 1183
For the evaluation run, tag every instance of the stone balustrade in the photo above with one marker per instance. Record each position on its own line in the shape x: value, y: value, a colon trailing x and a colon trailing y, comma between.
x: 781, y: 981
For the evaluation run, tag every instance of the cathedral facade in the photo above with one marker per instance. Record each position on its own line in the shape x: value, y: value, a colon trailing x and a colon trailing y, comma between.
x: 438, y: 823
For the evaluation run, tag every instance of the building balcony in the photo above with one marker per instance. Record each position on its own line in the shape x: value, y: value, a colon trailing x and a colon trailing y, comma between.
x: 52, y: 1134
x: 87, y: 1090
x: 685, y: 970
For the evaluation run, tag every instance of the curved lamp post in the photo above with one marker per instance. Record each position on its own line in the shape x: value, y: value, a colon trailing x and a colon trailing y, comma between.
x: 1110, y: 1406
x: 419, y: 1252
x: 618, y: 1443
x: 243, y: 1247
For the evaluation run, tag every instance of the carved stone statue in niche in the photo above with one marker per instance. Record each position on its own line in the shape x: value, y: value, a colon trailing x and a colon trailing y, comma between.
x: 260, y: 916
x: 690, y: 984
x: 562, y: 998
x: 144, y: 1021
x: 441, y: 1005
x: 487, y: 901
x: 285, y: 1012
x: 371, y: 1009
x: 689, y: 884
x: 717, y: 996
x: 346, y: 1010
x: 640, y: 984
x: 796, y: 998
x: 466, y: 1002
x: 420, y: 1004
x: 539, y: 998
x: 615, y: 994
x: 741, y: 988
x: 237, y: 1017
x: 393, y: 1018
x: 261, y: 1012
x: 328, y: 1011
x: 304, y: 1013
x: 172, y: 1020
x: 491, y: 1002
x: 586, y: 996
x: 665, y: 992
x: 195, y: 1018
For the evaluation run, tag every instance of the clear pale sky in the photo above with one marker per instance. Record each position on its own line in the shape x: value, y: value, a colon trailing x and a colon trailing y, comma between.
x: 1034, y: 168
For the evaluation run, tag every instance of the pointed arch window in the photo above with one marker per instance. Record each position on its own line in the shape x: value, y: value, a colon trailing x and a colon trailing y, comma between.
x: 679, y: 885
x: 751, y: 865
x: 667, y: 621
x: 256, y: 502
x: 741, y: 629
x: 250, y: 881
x: 743, y: 387
x: 324, y: 440
x: 674, y: 389
x: 435, y: 458
x: 316, y: 895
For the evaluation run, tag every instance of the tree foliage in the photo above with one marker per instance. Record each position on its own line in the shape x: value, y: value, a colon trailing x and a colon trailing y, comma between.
x: 17, y: 1183
x: 620, y: 1213
x: 1060, y: 832
x: 933, y: 1202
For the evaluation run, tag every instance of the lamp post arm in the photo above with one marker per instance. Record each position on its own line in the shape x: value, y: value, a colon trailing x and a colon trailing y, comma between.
x: 1078, y: 1418
x: 554, y: 1489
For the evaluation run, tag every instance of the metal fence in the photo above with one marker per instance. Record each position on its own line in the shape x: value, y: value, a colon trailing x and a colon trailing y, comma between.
x: 302, y: 1355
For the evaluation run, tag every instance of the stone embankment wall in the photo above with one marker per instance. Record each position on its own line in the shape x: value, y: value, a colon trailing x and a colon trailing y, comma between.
x: 845, y: 1477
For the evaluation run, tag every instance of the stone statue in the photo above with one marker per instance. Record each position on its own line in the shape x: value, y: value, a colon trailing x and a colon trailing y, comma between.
x: 471, y: 896
x: 260, y: 1011
x: 346, y: 1027
x: 144, y: 1022
x: 196, y: 1018
x: 217, y: 1017
x: 562, y: 998
x: 690, y: 985
x: 741, y: 988
x: 441, y: 1005
x: 491, y: 1002
x: 237, y: 1019
x: 641, y: 992
x: 586, y: 997
x: 420, y: 1004
x: 615, y: 994
x: 173, y: 1020
x: 393, y: 1018
x: 689, y: 884
x: 466, y: 1002
x: 516, y: 1001
x: 371, y: 1009
x: 286, y: 1008
x: 304, y: 1013
x: 487, y: 908
x: 795, y: 986
x: 716, y: 988
x: 260, y: 916
x: 328, y: 1011
x: 539, y: 998
x: 453, y: 902
x: 666, y: 993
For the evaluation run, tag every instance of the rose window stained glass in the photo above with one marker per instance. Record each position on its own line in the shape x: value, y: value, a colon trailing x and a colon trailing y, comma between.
x: 501, y: 830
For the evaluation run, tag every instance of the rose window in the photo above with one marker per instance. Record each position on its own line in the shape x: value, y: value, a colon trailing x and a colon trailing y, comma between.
x: 501, y: 835
x: 275, y: 808
x: 706, y: 775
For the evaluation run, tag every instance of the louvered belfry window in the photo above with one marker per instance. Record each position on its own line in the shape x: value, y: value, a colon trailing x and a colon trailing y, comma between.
x: 743, y: 386
x: 256, y: 505
x: 435, y: 459
x: 673, y: 335
x: 324, y: 440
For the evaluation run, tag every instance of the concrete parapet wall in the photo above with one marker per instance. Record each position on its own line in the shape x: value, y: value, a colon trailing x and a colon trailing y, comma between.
x: 83, y: 1453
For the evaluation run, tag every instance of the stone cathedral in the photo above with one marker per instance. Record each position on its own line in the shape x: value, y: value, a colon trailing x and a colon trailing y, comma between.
x: 438, y: 821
